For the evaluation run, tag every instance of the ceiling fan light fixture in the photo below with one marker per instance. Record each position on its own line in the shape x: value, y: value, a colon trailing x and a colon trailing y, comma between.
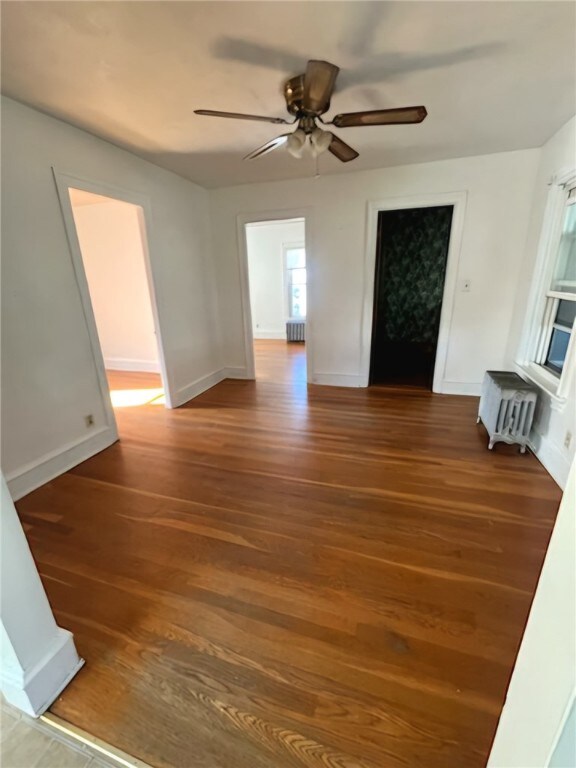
x: 320, y: 140
x: 308, y: 97
x: 296, y: 143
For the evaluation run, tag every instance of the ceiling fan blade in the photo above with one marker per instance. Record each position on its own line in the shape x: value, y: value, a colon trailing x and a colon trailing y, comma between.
x: 400, y: 116
x: 341, y: 150
x: 270, y: 146
x: 319, y: 81
x: 239, y: 116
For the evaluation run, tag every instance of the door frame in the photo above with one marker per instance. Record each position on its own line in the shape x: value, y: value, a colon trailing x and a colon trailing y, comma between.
x: 263, y: 217
x: 458, y: 201
x: 63, y: 182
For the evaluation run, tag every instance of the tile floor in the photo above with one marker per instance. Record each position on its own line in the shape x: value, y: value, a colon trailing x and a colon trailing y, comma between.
x: 29, y: 743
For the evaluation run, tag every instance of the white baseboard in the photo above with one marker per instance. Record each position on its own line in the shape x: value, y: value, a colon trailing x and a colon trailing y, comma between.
x: 552, y: 458
x: 195, y: 388
x: 49, y: 466
x: 472, y: 389
x: 124, y: 364
x: 236, y: 373
x: 270, y: 334
x: 338, y: 380
x: 33, y: 690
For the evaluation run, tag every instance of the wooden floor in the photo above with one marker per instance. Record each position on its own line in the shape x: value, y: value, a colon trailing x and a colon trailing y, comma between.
x: 276, y: 576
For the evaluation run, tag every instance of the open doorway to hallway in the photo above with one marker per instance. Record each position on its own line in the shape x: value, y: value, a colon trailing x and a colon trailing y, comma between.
x: 112, y: 240
x: 277, y: 275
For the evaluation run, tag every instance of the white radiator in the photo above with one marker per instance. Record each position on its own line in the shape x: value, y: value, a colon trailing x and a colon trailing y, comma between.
x: 296, y: 330
x: 507, y: 406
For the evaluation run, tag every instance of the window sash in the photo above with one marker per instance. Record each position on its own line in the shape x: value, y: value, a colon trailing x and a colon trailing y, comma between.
x: 547, y: 328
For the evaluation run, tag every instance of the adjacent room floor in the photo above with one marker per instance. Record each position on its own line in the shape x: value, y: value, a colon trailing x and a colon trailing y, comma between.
x: 278, y: 576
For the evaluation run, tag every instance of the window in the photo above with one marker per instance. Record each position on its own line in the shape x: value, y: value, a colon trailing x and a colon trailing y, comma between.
x: 553, y: 338
x: 295, y: 259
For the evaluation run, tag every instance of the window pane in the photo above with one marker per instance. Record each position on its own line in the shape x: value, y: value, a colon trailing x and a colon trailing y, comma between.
x: 298, y: 277
x: 566, y: 313
x: 557, y: 351
x: 564, y: 279
x: 295, y: 258
x: 298, y: 301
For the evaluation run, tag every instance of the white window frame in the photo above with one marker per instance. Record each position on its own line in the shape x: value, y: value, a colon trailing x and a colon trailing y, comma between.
x: 287, y: 284
x: 543, y: 303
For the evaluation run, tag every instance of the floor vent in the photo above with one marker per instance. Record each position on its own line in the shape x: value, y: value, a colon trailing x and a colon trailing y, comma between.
x: 507, y: 406
x: 296, y: 330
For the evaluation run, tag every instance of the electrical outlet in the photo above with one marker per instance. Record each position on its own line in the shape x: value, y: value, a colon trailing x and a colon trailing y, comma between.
x: 89, y: 420
x: 568, y: 440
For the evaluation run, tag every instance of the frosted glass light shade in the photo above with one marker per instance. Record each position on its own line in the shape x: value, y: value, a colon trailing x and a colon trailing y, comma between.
x: 320, y: 140
x: 296, y: 143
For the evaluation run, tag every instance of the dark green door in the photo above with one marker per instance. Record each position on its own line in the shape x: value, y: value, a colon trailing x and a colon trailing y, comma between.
x: 410, y: 270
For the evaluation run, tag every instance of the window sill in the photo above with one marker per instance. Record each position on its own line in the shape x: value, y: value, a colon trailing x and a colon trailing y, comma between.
x: 546, y: 381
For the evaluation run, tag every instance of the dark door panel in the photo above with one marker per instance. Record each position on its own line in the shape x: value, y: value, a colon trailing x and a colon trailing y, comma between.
x: 410, y: 270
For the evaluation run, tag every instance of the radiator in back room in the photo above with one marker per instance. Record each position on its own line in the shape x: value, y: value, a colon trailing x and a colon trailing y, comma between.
x: 507, y: 406
x: 296, y: 330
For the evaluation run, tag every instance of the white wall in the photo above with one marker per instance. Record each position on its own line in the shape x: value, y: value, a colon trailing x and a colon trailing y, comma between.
x: 499, y: 195
x: 114, y: 262
x: 49, y: 381
x: 543, y: 683
x: 265, y: 244
x: 37, y: 657
x: 558, y: 154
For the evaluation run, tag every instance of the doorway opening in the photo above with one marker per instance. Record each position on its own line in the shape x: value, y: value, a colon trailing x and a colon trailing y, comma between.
x: 411, y: 257
x: 112, y: 239
x: 278, y: 287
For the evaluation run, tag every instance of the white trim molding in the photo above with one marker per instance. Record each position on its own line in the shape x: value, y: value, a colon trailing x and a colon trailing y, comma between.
x: 553, y: 459
x: 31, y: 476
x: 237, y: 373
x: 469, y: 388
x: 64, y: 181
x: 279, y: 335
x: 35, y: 689
x: 126, y: 364
x: 195, y: 388
x: 458, y: 201
x: 338, y: 380
x: 556, y: 386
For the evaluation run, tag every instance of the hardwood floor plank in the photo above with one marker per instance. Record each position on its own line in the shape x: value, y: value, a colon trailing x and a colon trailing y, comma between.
x: 278, y: 576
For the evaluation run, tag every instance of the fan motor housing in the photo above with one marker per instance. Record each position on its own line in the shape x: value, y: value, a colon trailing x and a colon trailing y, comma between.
x: 294, y: 94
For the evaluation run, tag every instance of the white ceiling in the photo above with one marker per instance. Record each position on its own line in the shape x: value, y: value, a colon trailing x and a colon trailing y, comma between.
x: 494, y: 76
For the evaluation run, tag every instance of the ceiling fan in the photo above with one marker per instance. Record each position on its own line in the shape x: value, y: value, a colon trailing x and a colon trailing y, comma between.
x: 307, y: 99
